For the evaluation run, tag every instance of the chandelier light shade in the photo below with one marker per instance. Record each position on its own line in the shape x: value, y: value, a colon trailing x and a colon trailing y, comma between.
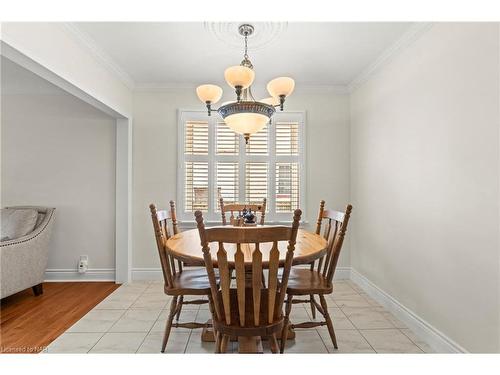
x: 281, y: 86
x: 246, y: 123
x: 209, y: 93
x: 246, y: 115
x: 239, y: 76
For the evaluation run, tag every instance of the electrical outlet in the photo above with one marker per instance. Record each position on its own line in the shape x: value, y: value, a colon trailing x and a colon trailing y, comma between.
x: 83, y: 264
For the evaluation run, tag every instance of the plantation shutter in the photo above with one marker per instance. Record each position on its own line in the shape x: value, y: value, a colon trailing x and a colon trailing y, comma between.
x: 196, y: 172
x: 287, y: 195
x: 287, y: 138
x: 214, y: 162
x: 227, y: 141
x: 196, y: 138
x: 258, y: 143
x: 255, y: 182
x: 227, y: 177
x: 196, y: 188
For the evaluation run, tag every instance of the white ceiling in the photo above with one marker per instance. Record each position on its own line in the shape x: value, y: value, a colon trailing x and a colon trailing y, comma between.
x: 194, y: 52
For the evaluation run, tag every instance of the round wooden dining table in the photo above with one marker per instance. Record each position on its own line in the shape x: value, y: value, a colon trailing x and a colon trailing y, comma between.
x: 186, y: 247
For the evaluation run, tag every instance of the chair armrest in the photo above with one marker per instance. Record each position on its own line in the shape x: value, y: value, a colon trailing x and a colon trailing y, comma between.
x: 30, y: 236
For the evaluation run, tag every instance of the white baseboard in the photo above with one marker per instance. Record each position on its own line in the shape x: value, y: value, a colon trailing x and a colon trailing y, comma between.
x: 96, y: 274
x: 146, y: 274
x: 431, y: 335
x: 342, y: 273
x: 156, y: 274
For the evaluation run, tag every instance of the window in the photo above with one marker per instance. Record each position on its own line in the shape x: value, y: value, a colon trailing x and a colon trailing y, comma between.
x: 214, y: 162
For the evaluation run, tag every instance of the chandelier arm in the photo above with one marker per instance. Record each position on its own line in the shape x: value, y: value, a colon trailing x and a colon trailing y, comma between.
x: 250, y: 92
x: 282, y: 102
x: 239, y: 90
x: 210, y: 109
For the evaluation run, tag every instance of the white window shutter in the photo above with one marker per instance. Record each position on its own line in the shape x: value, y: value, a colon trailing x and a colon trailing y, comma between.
x: 287, y: 196
x: 196, y: 138
x: 256, y: 182
x: 258, y: 143
x: 287, y: 138
x: 226, y: 140
x: 214, y: 161
x: 227, y: 180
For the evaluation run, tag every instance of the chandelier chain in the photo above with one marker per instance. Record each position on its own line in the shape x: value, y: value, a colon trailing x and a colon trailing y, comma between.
x: 246, y: 47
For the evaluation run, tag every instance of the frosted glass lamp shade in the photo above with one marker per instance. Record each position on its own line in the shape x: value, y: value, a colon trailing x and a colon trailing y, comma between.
x: 281, y: 86
x: 271, y: 101
x: 209, y: 93
x: 246, y: 123
x: 239, y: 76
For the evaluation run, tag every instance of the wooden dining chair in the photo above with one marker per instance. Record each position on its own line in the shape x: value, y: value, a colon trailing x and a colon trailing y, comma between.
x: 318, y: 280
x: 179, y: 282
x: 238, y: 208
x: 252, y: 309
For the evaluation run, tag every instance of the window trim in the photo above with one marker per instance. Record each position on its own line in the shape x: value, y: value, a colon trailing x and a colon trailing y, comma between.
x: 212, y: 216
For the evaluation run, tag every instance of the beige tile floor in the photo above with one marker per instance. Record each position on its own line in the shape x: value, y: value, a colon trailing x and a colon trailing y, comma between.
x: 132, y: 319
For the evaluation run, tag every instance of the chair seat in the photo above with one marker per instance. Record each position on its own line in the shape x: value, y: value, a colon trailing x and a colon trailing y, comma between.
x: 250, y: 329
x: 304, y: 281
x: 189, y: 282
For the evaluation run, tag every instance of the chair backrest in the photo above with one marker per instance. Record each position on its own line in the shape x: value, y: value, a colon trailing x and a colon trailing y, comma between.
x: 253, y: 237
x: 334, y: 232
x: 239, y: 207
x: 162, y: 232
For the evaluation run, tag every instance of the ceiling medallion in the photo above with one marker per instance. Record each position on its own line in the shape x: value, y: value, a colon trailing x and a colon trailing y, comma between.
x: 246, y: 115
x: 264, y: 34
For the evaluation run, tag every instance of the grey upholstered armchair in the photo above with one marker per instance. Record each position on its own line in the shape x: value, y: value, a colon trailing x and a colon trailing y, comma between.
x: 23, y: 260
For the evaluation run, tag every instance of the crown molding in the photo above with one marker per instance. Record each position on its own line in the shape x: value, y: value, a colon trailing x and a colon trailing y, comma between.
x: 408, y: 38
x: 323, y: 89
x: 98, y: 53
x: 306, y: 88
x: 158, y: 86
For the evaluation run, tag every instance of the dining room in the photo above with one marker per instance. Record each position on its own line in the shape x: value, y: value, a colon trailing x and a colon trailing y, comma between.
x: 236, y: 187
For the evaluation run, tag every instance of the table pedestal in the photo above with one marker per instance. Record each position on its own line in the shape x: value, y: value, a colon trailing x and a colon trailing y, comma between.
x: 245, y: 344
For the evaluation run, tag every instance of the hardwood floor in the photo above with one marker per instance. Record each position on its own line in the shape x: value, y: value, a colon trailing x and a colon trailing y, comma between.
x: 28, y: 323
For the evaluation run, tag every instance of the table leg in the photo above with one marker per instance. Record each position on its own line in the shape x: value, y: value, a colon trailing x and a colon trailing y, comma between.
x: 248, y: 345
x: 207, y: 334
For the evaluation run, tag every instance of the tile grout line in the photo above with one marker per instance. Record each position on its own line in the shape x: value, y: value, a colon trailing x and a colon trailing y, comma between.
x: 409, y: 338
x: 92, y: 347
x: 324, y: 343
x: 359, y: 331
x: 124, y: 311
x: 191, y: 332
x: 157, y: 319
x: 107, y: 331
x: 355, y: 327
x: 369, y: 343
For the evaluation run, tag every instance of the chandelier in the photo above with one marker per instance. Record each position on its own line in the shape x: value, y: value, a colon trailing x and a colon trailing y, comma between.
x: 246, y: 115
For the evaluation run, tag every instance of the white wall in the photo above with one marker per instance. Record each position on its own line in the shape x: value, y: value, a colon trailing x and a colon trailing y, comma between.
x: 155, y: 155
x: 58, y: 151
x: 425, y: 181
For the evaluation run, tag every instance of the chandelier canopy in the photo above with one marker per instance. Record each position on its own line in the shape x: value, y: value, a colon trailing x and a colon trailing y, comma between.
x: 246, y: 115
